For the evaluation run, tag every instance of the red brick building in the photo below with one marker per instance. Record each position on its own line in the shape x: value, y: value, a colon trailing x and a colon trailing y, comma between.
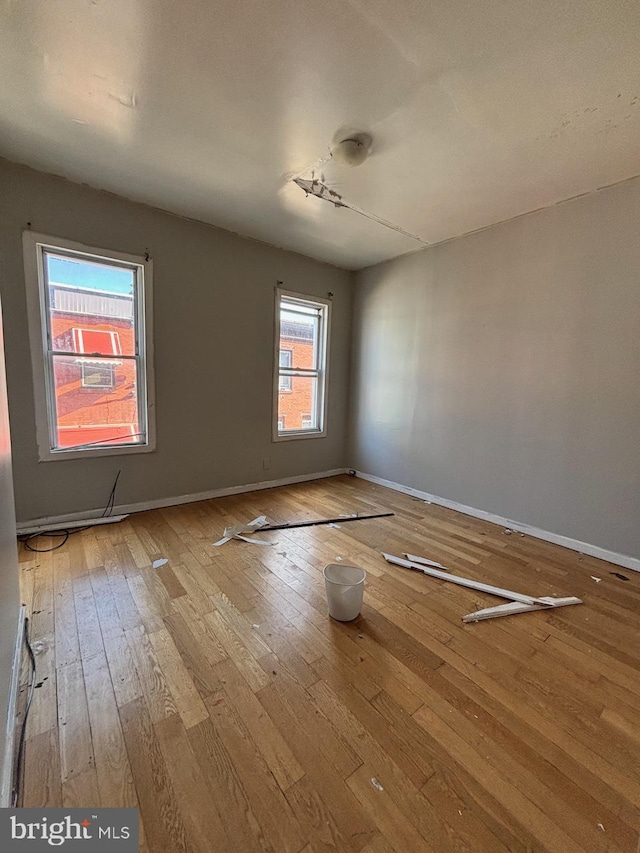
x: 96, y: 398
x: 295, y: 395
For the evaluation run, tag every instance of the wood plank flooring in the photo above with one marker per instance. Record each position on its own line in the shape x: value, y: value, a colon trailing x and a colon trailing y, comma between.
x: 215, y: 694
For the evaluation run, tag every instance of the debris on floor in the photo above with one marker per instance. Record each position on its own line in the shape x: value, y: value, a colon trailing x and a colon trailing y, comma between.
x: 235, y: 531
x: 507, y: 531
x: 157, y: 563
x: 518, y: 602
x: 424, y: 562
x: 253, y: 541
x: 594, y: 578
x: 376, y: 784
x: 330, y: 521
x: 619, y: 575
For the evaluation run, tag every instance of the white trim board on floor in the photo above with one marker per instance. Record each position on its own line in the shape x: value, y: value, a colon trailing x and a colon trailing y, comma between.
x: 37, y: 524
x: 624, y: 560
x: 6, y: 780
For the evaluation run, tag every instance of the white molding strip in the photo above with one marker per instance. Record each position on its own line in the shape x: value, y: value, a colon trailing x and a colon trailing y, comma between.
x: 125, y: 509
x: 631, y: 563
x: 498, y: 591
x: 519, y: 603
x: 515, y: 607
x: 42, y: 528
x: 6, y: 781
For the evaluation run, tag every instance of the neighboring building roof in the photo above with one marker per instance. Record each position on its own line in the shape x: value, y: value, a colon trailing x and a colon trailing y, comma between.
x: 296, y: 331
x: 71, y: 299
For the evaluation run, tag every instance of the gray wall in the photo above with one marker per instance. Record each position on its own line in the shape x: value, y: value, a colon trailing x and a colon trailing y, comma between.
x: 502, y: 370
x: 213, y: 332
x: 9, y: 592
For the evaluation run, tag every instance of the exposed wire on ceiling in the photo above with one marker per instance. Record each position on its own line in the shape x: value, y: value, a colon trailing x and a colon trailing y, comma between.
x: 319, y: 189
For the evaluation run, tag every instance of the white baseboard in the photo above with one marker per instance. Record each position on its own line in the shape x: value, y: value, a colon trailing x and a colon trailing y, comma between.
x: 125, y: 509
x: 69, y: 524
x: 6, y: 781
x: 624, y: 560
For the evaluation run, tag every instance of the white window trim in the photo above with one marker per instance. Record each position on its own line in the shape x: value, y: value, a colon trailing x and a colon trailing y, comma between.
x: 323, y: 360
x: 33, y: 243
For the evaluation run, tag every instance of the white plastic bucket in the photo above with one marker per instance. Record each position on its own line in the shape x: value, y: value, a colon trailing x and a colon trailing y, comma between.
x: 345, y: 588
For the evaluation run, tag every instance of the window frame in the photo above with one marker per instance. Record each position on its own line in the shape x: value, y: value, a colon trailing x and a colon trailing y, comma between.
x: 34, y: 246
x: 321, y: 373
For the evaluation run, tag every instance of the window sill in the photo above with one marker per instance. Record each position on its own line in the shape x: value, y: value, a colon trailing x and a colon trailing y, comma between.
x: 122, y: 450
x: 296, y: 434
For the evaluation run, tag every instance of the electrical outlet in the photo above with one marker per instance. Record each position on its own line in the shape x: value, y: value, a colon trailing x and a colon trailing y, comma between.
x: 266, y: 463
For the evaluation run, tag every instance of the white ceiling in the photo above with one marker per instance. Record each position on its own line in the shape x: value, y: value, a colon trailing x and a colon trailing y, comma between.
x: 480, y: 111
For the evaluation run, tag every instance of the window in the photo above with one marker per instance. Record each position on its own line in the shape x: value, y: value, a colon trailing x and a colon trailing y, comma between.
x: 302, y: 333
x: 97, y: 372
x: 285, y: 361
x: 97, y: 375
x: 89, y: 315
x: 96, y: 342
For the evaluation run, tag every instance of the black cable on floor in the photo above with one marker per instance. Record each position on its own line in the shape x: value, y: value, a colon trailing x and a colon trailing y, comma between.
x: 18, y: 782
x: 64, y: 533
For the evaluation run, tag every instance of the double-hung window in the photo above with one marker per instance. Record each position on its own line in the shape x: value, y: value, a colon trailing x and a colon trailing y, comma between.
x: 90, y: 332
x: 301, y: 358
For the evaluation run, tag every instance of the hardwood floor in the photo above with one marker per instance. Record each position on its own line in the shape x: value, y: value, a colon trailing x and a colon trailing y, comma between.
x: 214, y: 693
